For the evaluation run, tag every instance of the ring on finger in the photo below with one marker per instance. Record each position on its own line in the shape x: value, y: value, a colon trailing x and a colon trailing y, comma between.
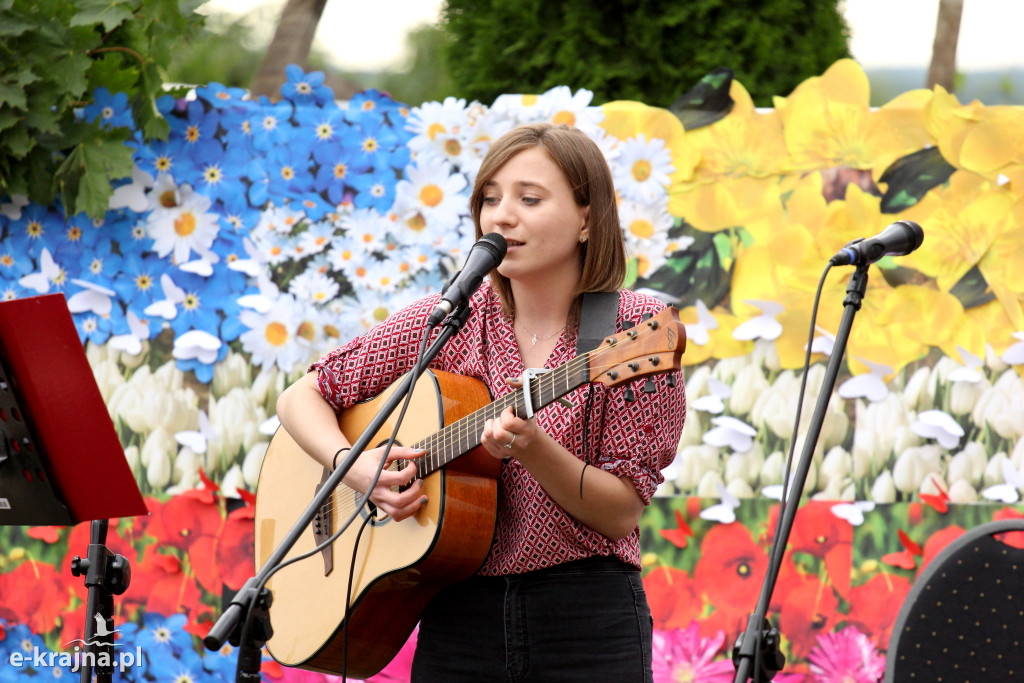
x: 511, y: 441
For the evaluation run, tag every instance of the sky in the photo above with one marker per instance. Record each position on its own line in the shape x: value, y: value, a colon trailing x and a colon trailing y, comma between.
x: 369, y: 35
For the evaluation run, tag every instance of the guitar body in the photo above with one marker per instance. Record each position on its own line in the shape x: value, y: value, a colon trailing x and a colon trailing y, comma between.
x: 399, y: 566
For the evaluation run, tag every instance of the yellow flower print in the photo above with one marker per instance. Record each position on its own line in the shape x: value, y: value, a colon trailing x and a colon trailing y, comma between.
x: 949, y: 122
x: 889, y: 329
x: 924, y: 315
x: 836, y: 223
x: 728, y: 203
x: 962, y: 220
x: 995, y: 325
x: 828, y: 122
x: 1003, y: 268
x: 783, y: 265
x: 995, y: 142
x: 744, y: 143
x: 908, y: 113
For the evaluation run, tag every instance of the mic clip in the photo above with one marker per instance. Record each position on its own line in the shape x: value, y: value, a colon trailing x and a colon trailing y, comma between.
x: 451, y: 280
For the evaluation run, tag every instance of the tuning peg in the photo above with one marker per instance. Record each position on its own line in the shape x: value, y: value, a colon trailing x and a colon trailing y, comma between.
x: 649, y: 387
x: 630, y: 396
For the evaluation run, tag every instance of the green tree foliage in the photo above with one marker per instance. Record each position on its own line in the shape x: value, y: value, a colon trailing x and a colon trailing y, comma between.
x: 646, y: 50
x: 54, y: 54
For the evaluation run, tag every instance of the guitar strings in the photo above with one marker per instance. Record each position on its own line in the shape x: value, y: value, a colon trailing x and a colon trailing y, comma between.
x: 468, y: 428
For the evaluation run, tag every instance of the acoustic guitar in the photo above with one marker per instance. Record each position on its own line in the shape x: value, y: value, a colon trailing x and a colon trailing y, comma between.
x: 351, y: 606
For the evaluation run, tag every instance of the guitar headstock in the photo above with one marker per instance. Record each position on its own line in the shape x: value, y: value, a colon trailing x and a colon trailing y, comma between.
x: 651, y: 347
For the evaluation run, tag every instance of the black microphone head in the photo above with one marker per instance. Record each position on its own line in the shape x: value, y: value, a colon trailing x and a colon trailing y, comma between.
x: 497, y: 242
x: 914, y: 233
x: 899, y: 239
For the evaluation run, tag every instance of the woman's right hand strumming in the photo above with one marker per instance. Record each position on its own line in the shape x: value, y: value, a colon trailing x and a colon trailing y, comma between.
x: 313, y: 424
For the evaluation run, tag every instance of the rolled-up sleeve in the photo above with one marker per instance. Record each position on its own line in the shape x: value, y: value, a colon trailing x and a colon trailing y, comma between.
x: 367, y: 365
x: 641, y: 437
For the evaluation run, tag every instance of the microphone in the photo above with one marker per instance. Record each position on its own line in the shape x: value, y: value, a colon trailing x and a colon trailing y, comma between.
x: 485, y: 255
x: 899, y: 239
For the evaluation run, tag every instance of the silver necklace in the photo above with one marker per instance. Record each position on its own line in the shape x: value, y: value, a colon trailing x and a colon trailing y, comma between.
x: 533, y: 335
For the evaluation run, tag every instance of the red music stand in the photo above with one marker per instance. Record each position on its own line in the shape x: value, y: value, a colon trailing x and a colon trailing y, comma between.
x: 61, y: 461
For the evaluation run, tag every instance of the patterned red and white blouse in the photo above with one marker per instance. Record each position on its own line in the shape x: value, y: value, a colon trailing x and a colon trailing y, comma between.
x: 636, y: 439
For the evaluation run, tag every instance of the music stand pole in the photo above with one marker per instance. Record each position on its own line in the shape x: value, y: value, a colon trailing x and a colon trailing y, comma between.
x: 106, y: 575
x: 760, y: 641
x: 253, y: 595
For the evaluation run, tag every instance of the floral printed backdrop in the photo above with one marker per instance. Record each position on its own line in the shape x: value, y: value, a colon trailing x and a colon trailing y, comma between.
x: 260, y: 235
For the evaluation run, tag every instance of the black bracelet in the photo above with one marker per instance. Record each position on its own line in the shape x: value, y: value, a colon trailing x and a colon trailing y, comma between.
x: 334, y: 460
x: 582, y: 472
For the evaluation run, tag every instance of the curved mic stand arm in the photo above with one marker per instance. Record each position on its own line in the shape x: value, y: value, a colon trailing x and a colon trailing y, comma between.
x: 254, y: 597
x: 759, y: 642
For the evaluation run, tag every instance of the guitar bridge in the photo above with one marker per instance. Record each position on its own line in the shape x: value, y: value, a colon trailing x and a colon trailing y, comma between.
x: 322, y: 528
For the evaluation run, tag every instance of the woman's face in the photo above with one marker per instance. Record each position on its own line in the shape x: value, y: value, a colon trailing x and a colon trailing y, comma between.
x: 528, y: 201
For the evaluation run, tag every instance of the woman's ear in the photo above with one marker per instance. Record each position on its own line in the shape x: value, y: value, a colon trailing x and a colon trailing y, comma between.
x: 584, y: 219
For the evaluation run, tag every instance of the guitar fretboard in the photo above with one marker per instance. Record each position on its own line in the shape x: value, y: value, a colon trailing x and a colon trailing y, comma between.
x: 463, y: 435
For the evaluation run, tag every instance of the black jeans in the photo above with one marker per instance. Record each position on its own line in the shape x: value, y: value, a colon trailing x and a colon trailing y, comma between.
x: 581, y: 621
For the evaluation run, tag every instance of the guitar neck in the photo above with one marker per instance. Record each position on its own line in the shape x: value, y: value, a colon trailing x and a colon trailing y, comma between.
x: 463, y: 435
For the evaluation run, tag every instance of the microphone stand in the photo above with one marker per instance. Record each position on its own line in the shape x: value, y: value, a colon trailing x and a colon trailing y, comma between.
x: 759, y: 643
x: 254, y: 598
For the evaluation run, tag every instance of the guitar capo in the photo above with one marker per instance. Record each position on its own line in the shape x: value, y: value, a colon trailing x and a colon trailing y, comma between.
x: 529, y: 375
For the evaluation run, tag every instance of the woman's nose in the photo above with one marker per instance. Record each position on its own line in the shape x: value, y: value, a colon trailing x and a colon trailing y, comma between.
x: 503, y: 214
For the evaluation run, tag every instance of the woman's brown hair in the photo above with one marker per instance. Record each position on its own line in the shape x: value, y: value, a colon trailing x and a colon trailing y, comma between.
x: 603, y: 255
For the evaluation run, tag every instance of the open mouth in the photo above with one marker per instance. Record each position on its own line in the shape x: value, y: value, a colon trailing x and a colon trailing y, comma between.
x: 514, y: 243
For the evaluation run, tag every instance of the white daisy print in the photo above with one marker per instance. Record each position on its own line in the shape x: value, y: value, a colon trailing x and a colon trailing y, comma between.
x: 273, y: 337
x: 563, y: 106
x: 433, y: 118
x: 316, y: 238
x: 519, y: 108
x: 282, y: 219
x: 345, y: 255
x: 383, y: 276
x: 645, y: 227
x: 442, y: 133
x: 642, y: 169
x: 313, y: 286
x: 367, y: 229
x: 429, y: 201
x: 184, y: 228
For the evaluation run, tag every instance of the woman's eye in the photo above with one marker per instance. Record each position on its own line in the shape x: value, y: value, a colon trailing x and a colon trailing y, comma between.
x: 530, y: 201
